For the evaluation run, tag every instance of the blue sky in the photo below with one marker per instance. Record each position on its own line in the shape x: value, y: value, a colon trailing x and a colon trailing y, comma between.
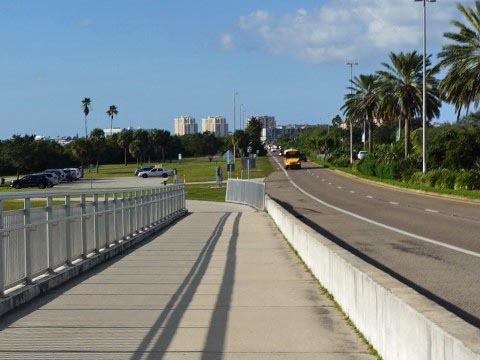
x: 159, y: 59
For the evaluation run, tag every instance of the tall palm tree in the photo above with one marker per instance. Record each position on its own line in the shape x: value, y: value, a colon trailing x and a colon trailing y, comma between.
x: 364, y: 101
x: 124, y: 139
x: 461, y: 85
x: 112, y: 111
x: 86, y: 110
x: 401, y: 84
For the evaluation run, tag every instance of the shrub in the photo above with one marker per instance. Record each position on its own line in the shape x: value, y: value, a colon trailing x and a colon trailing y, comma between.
x: 387, y: 171
x: 445, y: 179
x: 367, y: 166
x: 342, y: 161
x: 467, y: 180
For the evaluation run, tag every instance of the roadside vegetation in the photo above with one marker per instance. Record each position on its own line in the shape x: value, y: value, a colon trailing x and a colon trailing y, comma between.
x: 381, y: 104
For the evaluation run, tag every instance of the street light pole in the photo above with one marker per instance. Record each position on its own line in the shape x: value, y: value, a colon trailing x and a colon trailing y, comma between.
x: 240, y: 117
x: 234, y: 123
x: 351, y: 64
x: 424, y: 89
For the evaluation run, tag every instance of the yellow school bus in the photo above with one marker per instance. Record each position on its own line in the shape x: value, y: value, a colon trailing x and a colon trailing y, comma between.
x: 292, y: 159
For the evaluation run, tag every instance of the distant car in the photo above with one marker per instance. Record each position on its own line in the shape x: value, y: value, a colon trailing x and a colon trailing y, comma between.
x: 40, y: 181
x: 50, y: 176
x: 144, y: 168
x: 362, y: 154
x: 74, y: 172
x: 61, y: 174
x: 156, y: 172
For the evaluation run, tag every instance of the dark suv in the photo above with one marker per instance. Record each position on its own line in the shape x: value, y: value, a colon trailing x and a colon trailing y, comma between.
x: 40, y: 181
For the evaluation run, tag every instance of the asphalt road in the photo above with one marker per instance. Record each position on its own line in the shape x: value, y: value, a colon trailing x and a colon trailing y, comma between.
x: 430, y: 243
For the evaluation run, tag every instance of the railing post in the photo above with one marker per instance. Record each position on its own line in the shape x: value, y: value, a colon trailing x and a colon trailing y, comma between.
x: 50, y: 247
x: 28, y: 242
x: 155, y: 204
x: 95, y: 223
x: 149, y: 207
x: 115, y: 218
x: 83, y: 225
x: 130, y: 213
x: 2, y: 253
x: 124, y: 218
x: 68, y: 238
x: 107, y: 221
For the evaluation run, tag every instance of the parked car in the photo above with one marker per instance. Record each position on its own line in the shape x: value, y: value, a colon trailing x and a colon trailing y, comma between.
x: 70, y: 175
x: 76, y: 173
x: 156, y: 172
x: 59, y: 172
x: 362, y: 154
x: 40, y: 181
x: 144, y: 168
x: 54, y: 180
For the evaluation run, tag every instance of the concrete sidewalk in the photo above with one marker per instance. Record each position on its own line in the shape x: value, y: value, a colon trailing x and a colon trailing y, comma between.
x: 220, y: 284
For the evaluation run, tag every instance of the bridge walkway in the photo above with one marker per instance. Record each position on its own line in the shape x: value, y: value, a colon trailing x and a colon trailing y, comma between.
x: 221, y: 283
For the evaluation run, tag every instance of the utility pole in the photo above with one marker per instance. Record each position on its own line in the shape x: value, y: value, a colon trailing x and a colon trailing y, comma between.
x: 351, y: 64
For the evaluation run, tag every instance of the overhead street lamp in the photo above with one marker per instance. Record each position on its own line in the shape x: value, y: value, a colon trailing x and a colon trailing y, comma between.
x: 424, y: 100
x: 351, y: 64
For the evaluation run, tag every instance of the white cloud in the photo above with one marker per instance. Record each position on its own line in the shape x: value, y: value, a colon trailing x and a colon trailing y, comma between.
x: 226, y: 41
x: 345, y: 29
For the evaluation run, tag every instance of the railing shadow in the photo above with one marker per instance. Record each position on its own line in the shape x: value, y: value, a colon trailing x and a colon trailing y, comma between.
x: 180, y: 300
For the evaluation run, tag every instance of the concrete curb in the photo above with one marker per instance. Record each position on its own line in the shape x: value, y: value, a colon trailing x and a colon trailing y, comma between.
x: 45, y: 284
x: 395, y: 319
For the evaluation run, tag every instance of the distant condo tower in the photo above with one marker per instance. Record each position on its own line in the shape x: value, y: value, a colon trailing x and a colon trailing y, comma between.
x: 216, y: 125
x: 185, y: 125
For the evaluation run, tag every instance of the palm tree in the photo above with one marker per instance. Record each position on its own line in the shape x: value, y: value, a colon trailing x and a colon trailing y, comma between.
x: 112, y: 111
x: 86, y: 110
x: 364, y: 101
x: 401, y: 85
x: 124, y: 139
x: 461, y: 85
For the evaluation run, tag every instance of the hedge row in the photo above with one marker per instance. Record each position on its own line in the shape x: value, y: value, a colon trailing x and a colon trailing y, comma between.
x: 404, y: 170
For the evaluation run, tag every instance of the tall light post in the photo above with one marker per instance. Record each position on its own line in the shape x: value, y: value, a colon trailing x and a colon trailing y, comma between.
x: 424, y: 100
x: 351, y: 64
x: 234, y: 123
x: 240, y: 116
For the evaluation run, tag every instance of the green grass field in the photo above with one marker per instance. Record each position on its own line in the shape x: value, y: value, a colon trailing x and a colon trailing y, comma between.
x: 190, y: 169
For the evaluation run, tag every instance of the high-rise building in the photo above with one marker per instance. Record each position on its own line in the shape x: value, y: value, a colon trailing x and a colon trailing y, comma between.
x: 266, y: 121
x: 185, y: 125
x: 217, y: 125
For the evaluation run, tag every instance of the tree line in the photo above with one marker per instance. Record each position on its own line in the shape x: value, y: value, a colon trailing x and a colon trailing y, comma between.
x: 22, y: 154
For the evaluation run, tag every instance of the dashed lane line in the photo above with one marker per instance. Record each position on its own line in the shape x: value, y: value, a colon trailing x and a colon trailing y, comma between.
x: 388, y: 227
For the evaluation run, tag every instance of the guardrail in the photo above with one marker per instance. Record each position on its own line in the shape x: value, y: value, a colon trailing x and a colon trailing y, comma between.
x: 38, y: 240
x: 247, y: 192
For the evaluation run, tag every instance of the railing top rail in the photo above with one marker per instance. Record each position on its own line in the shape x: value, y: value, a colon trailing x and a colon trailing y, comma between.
x: 59, y: 193
x: 260, y: 180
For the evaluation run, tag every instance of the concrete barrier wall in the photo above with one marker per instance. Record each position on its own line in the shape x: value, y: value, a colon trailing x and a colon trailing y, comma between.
x: 400, y: 323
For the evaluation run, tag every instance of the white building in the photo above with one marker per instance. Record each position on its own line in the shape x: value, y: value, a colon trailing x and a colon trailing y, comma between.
x: 185, y: 125
x: 216, y: 125
x: 110, y: 132
x: 266, y: 121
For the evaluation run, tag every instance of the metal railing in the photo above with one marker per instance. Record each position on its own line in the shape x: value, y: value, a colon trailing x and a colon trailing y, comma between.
x: 39, y: 239
x: 248, y: 192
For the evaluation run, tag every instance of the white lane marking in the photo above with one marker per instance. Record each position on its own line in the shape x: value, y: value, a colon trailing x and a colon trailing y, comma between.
x: 329, y: 183
x: 318, y: 177
x: 393, y: 202
x: 352, y: 192
x: 369, y: 196
x: 323, y: 179
x: 388, y: 227
x: 432, y: 211
x: 339, y: 187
